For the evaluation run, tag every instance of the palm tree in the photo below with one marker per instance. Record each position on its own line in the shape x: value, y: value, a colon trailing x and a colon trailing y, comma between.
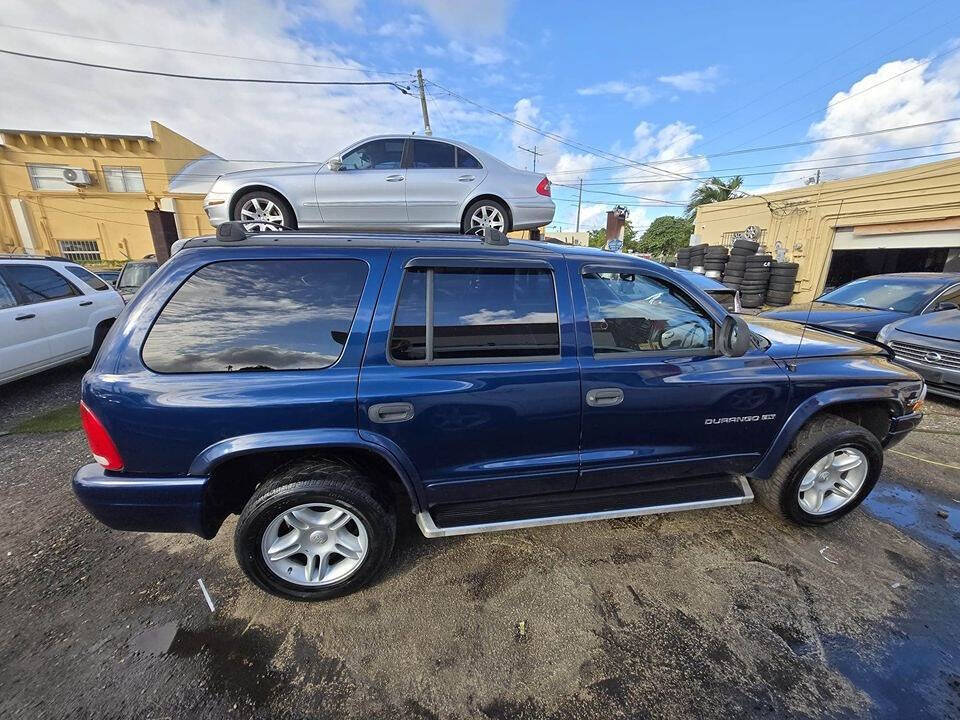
x: 714, y: 190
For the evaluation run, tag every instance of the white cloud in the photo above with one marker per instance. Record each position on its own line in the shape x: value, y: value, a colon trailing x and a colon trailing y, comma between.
x: 342, y: 12
x: 411, y: 27
x: 631, y: 92
x: 462, y: 19
x: 467, y: 52
x: 697, y: 81
x: 236, y: 120
x: 930, y: 92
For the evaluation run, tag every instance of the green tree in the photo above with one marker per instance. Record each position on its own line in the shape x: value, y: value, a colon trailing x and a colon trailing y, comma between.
x: 598, y: 238
x: 714, y: 190
x: 666, y: 235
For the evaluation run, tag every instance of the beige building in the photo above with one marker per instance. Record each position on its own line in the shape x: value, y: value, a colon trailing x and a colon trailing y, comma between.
x: 84, y: 195
x: 899, y: 221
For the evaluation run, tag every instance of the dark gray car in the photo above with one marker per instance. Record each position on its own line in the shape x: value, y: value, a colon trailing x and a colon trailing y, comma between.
x: 929, y: 344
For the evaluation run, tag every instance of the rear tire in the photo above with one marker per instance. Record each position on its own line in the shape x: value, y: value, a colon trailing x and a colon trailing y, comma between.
x: 495, y: 213
x: 99, y: 334
x: 816, y: 441
x: 315, y: 489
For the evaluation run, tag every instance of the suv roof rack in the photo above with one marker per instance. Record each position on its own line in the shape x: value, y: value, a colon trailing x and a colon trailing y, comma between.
x: 492, y: 236
x: 235, y: 230
x: 21, y: 256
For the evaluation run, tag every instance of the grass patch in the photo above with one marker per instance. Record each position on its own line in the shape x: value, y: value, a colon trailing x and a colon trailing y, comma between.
x: 62, y: 419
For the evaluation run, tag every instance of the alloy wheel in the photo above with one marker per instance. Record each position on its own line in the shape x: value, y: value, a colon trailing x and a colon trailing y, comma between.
x: 833, y: 481
x: 486, y: 216
x: 315, y: 544
x: 265, y: 213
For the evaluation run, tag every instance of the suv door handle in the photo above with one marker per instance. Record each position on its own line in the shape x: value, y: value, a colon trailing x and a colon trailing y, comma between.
x: 390, y: 412
x: 86, y: 302
x: 466, y: 178
x: 25, y: 317
x: 604, y: 397
x: 394, y: 178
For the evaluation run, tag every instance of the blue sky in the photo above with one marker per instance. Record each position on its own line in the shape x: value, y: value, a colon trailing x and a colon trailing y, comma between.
x: 631, y: 84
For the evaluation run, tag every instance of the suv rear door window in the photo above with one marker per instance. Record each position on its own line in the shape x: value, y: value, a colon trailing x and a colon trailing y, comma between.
x: 478, y: 313
x: 39, y: 284
x: 247, y: 316
x: 7, y: 298
x: 635, y: 313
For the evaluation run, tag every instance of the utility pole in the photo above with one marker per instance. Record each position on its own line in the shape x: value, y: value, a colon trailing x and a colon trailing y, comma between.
x: 579, y: 199
x: 423, y: 104
x: 532, y: 152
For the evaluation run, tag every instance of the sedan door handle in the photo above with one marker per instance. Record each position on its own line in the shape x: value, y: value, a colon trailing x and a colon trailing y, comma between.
x: 604, y: 397
x: 25, y: 317
x: 466, y: 178
x: 394, y: 178
x: 86, y: 302
x: 390, y: 412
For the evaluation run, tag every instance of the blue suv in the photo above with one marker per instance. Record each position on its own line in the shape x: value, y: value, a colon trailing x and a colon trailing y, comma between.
x: 321, y: 385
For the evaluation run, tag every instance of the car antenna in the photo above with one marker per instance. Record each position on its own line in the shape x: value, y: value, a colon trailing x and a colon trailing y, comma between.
x: 792, y: 366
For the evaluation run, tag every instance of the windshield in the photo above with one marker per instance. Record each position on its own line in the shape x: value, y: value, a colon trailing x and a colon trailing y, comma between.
x: 134, y: 275
x: 905, y: 295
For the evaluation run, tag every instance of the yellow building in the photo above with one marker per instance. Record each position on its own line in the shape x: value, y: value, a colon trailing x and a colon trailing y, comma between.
x: 84, y: 195
x: 899, y: 221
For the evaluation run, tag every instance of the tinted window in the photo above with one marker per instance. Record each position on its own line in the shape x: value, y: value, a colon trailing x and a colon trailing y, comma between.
x: 478, y: 313
x: 466, y: 160
x: 39, y: 283
x: 427, y: 155
x: 7, y: 299
x: 135, y: 274
x: 257, y: 315
x: 375, y: 155
x: 636, y: 313
x: 903, y: 294
x: 88, y: 277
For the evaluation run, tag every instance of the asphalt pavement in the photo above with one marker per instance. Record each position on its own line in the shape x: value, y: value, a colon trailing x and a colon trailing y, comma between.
x: 713, y: 614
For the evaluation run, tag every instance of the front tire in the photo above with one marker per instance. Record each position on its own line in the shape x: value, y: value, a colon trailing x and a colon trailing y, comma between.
x: 262, y: 210
x: 830, y: 467
x: 483, y: 214
x: 315, y: 530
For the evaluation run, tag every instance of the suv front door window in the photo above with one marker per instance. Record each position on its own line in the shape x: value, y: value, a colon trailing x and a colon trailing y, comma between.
x: 436, y: 187
x: 650, y: 340
x: 368, y: 192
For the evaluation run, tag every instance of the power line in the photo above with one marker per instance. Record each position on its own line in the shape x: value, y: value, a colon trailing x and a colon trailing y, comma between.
x: 207, y: 78
x: 205, y: 53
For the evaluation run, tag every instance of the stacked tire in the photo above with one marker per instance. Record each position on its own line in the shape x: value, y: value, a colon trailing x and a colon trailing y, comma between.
x: 756, y: 276
x: 683, y: 258
x: 715, y: 261
x: 736, y: 265
x: 783, y: 275
x: 698, y: 255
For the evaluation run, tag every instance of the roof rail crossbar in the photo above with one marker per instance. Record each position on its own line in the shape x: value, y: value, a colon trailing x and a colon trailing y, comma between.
x: 235, y: 230
x: 22, y: 256
x: 492, y: 236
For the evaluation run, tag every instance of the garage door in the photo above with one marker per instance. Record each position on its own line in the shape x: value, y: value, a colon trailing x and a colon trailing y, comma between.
x: 857, y: 255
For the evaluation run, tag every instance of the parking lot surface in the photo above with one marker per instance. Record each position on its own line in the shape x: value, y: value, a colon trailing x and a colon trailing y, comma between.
x: 714, y: 614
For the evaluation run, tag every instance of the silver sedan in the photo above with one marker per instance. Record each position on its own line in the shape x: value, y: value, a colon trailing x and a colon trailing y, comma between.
x: 387, y: 183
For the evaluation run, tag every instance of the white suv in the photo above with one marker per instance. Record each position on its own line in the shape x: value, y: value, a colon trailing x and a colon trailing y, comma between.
x: 52, y: 312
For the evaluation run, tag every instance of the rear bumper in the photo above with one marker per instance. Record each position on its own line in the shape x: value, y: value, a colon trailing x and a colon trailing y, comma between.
x: 531, y: 212
x: 145, y: 504
x: 900, y: 425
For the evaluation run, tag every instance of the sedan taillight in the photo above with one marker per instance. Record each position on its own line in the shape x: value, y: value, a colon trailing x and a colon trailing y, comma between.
x: 544, y: 187
x: 101, y: 445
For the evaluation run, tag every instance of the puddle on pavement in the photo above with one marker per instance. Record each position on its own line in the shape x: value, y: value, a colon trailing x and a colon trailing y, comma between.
x: 915, y: 513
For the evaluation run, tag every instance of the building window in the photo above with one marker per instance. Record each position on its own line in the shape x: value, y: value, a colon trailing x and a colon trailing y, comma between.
x: 80, y: 250
x: 48, y: 177
x: 123, y: 179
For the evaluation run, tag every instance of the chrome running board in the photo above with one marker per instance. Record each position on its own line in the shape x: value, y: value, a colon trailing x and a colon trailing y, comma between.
x: 431, y: 530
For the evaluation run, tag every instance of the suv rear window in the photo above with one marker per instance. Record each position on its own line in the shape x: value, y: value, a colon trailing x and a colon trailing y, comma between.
x: 249, y: 316
x: 478, y: 314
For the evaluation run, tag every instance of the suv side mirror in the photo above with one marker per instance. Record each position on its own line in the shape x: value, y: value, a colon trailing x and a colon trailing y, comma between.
x: 335, y: 163
x: 946, y: 306
x: 734, y: 339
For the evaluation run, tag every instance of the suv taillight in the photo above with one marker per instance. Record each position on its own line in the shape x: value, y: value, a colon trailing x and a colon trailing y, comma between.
x: 544, y: 187
x: 102, y: 447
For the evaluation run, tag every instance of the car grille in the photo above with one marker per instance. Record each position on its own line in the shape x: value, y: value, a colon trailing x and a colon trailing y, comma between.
x: 948, y: 360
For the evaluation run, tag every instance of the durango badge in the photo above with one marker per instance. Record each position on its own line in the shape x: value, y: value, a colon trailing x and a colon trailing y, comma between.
x: 738, y: 419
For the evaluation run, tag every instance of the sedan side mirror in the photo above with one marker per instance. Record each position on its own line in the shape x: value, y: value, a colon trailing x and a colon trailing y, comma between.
x: 335, y: 164
x: 946, y: 306
x: 734, y: 339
